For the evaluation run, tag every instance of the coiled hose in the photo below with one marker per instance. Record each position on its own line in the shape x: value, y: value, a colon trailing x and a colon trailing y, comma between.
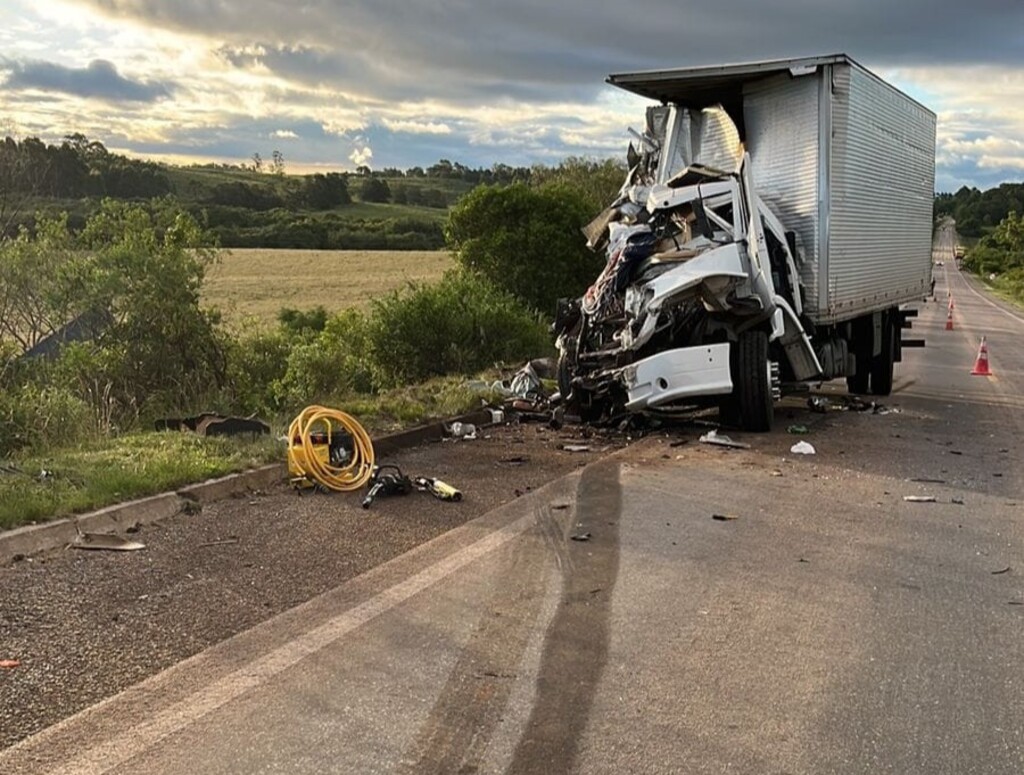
x: 338, y: 478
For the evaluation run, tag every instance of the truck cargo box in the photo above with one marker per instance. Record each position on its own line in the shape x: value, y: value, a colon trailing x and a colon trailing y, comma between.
x: 845, y: 159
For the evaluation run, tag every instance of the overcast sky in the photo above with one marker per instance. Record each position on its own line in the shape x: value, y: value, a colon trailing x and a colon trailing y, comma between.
x: 399, y: 83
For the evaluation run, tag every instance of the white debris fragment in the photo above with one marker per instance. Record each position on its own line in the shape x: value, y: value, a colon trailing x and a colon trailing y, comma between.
x: 803, y: 448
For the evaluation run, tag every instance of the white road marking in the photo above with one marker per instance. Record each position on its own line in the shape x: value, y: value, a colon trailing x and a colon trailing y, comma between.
x: 108, y: 755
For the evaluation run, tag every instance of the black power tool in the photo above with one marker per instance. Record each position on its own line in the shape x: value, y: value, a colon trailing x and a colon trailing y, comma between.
x: 387, y: 480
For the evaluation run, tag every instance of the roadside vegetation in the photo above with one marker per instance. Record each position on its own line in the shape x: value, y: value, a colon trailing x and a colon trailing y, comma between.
x: 998, y: 258
x: 103, y: 330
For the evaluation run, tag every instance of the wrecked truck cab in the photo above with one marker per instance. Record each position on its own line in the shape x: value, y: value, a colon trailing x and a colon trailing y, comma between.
x: 715, y: 291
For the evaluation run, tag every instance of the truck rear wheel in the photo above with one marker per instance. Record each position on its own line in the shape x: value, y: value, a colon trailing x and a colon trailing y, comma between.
x: 752, y: 380
x: 882, y: 364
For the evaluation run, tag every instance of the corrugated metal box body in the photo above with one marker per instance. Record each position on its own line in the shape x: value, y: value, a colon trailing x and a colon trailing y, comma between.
x: 781, y: 116
x: 847, y: 161
x: 882, y: 191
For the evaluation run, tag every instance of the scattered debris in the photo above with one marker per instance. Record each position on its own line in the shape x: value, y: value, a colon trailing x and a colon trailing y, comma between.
x: 559, y: 506
x: 222, y: 542
x: 718, y: 439
x: 725, y: 517
x: 919, y: 498
x: 515, y: 460
x: 106, y: 542
x: 957, y: 501
x: 955, y: 452
x: 462, y: 430
x: 576, y: 447
x: 803, y: 448
x: 1001, y: 571
x: 679, y: 442
x: 580, y: 537
x: 925, y: 480
x: 819, y: 404
x: 212, y: 424
x: 798, y: 430
x: 9, y: 664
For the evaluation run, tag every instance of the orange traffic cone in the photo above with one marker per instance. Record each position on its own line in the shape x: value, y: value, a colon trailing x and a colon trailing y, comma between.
x: 981, y: 368
x: 949, y: 320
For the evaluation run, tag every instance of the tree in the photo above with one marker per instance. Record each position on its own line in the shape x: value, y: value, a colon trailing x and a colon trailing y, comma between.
x: 374, y: 189
x: 277, y: 163
x: 525, y: 240
x: 322, y: 192
x: 257, y: 162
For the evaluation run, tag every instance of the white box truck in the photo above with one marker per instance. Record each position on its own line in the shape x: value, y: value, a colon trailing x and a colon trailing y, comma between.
x: 775, y: 219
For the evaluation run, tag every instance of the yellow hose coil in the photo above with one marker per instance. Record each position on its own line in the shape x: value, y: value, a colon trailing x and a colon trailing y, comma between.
x: 310, y: 465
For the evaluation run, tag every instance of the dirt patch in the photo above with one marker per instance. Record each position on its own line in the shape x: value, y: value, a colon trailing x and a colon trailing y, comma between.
x: 86, y: 625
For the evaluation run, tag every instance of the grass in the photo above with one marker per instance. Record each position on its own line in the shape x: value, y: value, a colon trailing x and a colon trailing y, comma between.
x: 257, y: 283
x: 119, y: 469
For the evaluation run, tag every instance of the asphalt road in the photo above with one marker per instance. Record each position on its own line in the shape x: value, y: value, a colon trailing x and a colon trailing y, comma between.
x: 609, y: 623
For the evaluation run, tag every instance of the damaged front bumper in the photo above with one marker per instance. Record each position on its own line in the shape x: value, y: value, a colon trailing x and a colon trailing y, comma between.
x: 673, y: 376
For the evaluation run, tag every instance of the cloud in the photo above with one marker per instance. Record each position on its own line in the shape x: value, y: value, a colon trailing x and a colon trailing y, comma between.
x: 284, y: 134
x: 361, y: 156
x: 414, y: 127
x: 98, y: 80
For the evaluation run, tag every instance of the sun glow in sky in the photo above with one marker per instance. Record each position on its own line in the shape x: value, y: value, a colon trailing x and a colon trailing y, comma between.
x: 394, y: 84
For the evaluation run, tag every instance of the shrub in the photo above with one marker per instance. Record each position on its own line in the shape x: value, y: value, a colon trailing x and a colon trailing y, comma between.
x: 458, y: 326
x: 334, y: 363
x: 34, y: 417
x: 526, y: 241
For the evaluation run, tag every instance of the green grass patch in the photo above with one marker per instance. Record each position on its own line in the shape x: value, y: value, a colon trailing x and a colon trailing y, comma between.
x: 119, y: 469
x: 115, y: 470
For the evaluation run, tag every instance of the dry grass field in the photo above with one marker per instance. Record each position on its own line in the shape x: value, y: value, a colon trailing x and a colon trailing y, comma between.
x: 256, y: 283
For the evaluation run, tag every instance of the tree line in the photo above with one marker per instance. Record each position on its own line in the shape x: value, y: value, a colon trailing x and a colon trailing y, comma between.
x: 979, y: 212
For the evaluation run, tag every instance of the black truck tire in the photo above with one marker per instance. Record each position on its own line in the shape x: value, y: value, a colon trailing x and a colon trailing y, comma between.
x: 752, y: 386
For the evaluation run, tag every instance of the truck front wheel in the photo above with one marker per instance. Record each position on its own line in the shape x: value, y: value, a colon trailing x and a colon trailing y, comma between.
x: 752, y: 382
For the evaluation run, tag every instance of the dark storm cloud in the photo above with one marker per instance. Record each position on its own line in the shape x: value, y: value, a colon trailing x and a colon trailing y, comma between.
x: 99, y: 80
x: 472, y: 49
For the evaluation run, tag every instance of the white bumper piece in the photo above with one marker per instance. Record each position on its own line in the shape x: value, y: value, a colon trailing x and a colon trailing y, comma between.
x: 677, y: 374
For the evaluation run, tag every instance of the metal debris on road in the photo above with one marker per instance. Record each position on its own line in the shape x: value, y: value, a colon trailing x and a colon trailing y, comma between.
x: 925, y: 480
x: 515, y: 460
x: 580, y: 537
x: 720, y: 440
x: 1001, y: 571
x: 222, y: 542
x: 462, y: 430
x: 919, y: 498
x: 803, y: 448
x: 725, y: 517
x: 957, y: 501
x: 106, y: 542
x: 9, y: 664
x: 576, y: 447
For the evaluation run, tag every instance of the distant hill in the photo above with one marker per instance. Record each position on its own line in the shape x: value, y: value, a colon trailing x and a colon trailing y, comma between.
x: 255, y: 205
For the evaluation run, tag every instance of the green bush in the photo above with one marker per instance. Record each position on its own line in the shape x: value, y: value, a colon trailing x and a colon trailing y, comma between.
x: 256, y: 365
x: 36, y: 418
x: 458, y: 326
x: 526, y: 241
x: 333, y: 364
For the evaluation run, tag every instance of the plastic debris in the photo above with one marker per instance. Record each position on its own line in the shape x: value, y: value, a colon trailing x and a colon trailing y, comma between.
x: 919, y: 498
x: 106, y: 542
x: 576, y: 447
x: 718, y: 439
x: 803, y: 448
x: 463, y: 430
x: 9, y: 664
x: 580, y: 537
x: 798, y: 430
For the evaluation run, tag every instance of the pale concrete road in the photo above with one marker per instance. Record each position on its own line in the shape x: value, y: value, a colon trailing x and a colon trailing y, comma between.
x: 830, y: 627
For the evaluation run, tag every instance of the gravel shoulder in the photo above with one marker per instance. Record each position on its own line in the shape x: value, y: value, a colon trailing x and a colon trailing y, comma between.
x: 85, y: 625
